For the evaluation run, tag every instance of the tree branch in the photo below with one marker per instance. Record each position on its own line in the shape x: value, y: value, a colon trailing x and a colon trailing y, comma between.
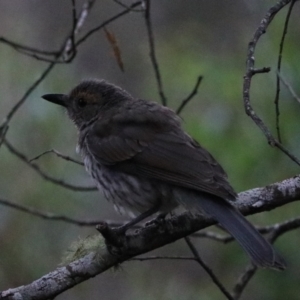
x: 190, y: 96
x: 153, y: 54
x: 65, y: 157
x: 276, y: 101
x: 208, y: 270
x: 265, y: 22
x: 149, y: 238
x: 64, y: 48
x: 243, y: 281
x: 47, y: 215
x: 289, y: 87
x: 45, y: 176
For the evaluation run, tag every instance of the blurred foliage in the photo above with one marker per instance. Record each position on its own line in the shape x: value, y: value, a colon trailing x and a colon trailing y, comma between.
x: 206, y: 38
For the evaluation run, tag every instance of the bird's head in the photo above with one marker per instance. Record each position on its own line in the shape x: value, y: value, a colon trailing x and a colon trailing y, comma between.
x: 88, y: 100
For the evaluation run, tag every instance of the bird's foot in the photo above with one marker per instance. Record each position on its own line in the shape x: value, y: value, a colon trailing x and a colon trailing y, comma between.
x: 113, y: 236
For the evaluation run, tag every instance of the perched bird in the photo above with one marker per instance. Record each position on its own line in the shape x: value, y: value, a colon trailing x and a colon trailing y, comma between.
x: 139, y: 155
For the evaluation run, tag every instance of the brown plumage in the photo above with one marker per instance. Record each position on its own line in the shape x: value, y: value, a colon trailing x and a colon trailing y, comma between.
x: 138, y: 153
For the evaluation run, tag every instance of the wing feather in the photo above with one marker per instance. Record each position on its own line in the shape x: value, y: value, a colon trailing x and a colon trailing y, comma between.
x: 160, y: 153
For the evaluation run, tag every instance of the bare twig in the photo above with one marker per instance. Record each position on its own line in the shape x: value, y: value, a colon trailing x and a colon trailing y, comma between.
x: 278, y: 227
x: 70, y: 48
x: 261, y: 70
x: 112, y: 19
x: 126, y: 6
x: 3, y: 131
x: 68, y: 52
x: 27, y: 49
x: 44, y: 74
x: 27, y: 93
x: 249, y: 74
x: 152, y: 53
x: 276, y: 101
x: 43, y: 174
x: 276, y: 231
x: 65, y: 157
x: 207, y: 269
x: 190, y: 96
x: 243, y: 281
x: 281, y: 228
x: 47, y: 215
x: 289, y: 87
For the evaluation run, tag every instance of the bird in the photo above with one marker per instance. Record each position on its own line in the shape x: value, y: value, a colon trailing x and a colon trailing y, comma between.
x: 142, y: 159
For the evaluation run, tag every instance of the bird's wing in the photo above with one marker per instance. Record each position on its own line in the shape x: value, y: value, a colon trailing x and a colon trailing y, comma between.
x: 159, y: 152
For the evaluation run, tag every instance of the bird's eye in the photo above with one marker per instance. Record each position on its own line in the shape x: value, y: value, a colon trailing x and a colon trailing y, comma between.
x: 81, y: 102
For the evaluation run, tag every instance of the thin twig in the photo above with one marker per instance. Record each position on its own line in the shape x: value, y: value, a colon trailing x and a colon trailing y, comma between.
x: 261, y: 70
x: 27, y: 93
x: 281, y: 228
x: 27, y: 49
x: 289, y: 87
x: 126, y: 6
x: 68, y: 51
x: 152, y: 53
x: 243, y: 281
x: 45, y: 72
x: 3, y: 132
x: 65, y: 157
x: 190, y: 96
x: 77, y: 25
x: 286, y: 225
x: 47, y: 215
x: 43, y: 174
x: 207, y: 269
x: 276, y: 231
x: 70, y: 48
x: 249, y: 74
x: 102, y: 25
x: 276, y: 101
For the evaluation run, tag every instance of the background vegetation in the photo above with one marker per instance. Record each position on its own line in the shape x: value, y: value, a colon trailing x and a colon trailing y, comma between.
x: 193, y: 38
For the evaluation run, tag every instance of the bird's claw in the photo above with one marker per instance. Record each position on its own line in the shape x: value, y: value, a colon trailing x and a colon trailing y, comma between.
x: 113, y: 236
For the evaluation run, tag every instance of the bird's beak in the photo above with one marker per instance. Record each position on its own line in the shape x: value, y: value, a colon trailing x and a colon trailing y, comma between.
x: 59, y: 99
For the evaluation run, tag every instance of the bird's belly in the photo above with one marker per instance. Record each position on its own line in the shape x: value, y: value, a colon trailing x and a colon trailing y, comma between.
x: 128, y: 193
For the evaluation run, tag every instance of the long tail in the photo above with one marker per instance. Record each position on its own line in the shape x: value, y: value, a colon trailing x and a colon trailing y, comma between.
x: 260, y: 251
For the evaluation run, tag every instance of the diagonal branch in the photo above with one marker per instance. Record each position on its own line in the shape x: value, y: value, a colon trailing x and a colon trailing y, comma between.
x: 289, y: 87
x: 65, y: 157
x: 105, y: 23
x: 190, y: 96
x: 47, y: 177
x: 243, y: 280
x: 207, y: 269
x: 47, y: 215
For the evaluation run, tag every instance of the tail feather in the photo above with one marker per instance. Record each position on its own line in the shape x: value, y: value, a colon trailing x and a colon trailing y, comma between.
x: 260, y: 250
